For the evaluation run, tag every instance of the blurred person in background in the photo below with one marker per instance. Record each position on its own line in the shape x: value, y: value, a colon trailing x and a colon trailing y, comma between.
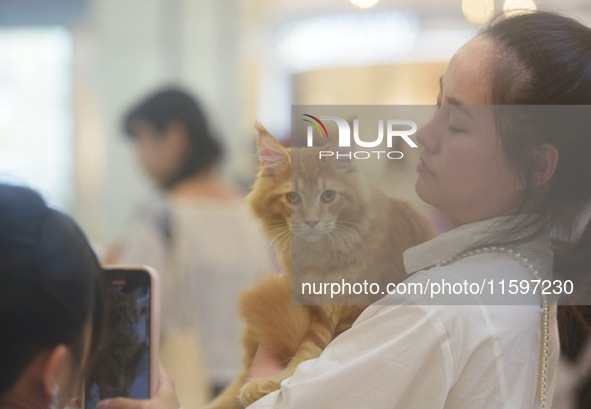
x: 200, y: 237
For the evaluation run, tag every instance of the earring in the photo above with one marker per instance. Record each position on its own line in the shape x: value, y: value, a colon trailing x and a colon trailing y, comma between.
x: 54, y: 394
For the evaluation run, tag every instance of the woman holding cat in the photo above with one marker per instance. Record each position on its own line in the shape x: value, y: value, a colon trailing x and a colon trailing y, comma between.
x: 505, y: 185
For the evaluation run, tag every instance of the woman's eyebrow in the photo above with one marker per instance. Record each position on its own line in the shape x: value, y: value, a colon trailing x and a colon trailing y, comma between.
x: 460, y: 105
x: 454, y: 101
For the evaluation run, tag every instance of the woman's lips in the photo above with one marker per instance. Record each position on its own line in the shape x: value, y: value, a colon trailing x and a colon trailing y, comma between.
x: 423, y: 169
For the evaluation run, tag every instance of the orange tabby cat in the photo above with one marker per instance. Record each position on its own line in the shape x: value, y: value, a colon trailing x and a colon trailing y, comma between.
x: 328, y: 224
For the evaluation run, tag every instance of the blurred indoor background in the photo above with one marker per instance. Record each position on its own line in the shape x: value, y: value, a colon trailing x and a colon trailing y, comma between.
x: 70, y: 68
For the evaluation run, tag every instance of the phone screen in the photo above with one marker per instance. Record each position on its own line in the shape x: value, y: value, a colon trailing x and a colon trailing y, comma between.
x: 122, y: 367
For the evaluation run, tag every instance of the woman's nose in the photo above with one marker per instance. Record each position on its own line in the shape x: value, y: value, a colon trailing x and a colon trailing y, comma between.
x: 428, y: 135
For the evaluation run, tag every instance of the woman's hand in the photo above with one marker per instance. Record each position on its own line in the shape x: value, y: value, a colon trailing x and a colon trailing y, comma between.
x: 264, y: 364
x: 165, y: 397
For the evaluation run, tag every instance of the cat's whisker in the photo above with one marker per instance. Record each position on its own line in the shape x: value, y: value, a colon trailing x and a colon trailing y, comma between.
x: 347, y: 240
x: 271, y: 231
x: 277, y: 224
x: 278, y: 238
x: 285, y: 237
x: 347, y: 243
x: 349, y: 230
x: 348, y: 226
x: 348, y: 222
x: 351, y: 234
x: 279, y: 244
x: 336, y: 233
x: 286, y: 233
x: 334, y: 246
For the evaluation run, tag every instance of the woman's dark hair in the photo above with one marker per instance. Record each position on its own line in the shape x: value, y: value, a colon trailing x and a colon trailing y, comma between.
x: 50, y: 283
x: 541, y: 89
x: 174, y: 105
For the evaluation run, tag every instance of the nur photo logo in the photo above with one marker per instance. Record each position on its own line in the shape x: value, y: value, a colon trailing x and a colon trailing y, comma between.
x: 355, y: 146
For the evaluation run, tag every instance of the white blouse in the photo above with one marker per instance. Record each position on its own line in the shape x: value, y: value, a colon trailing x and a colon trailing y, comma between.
x: 434, y: 356
x: 207, y: 252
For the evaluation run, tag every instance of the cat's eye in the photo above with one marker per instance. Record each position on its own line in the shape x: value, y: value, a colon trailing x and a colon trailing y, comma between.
x: 328, y: 196
x: 293, y: 198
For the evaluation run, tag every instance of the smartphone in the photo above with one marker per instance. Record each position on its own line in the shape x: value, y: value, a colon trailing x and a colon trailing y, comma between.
x: 127, y: 363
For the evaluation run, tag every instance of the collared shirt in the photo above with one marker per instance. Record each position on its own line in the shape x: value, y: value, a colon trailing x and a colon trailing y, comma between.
x: 398, y: 355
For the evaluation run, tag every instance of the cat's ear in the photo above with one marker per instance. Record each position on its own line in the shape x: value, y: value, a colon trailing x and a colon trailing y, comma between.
x: 273, y: 156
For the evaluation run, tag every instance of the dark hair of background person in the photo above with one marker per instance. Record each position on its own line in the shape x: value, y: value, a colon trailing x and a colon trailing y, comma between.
x: 50, y: 284
x: 174, y: 105
x: 544, y: 60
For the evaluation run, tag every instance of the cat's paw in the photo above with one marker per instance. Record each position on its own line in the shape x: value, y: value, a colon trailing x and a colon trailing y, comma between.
x: 256, y: 389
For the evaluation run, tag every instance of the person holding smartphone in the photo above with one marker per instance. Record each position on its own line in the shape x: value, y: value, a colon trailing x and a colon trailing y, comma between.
x: 52, y: 306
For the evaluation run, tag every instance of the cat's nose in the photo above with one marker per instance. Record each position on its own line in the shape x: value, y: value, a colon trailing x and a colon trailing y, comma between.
x: 312, y: 223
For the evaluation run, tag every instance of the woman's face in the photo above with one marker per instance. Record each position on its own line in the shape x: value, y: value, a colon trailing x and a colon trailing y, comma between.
x: 59, y: 373
x: 71, y: 387
x: 159, y: 153
x: 463, y: 169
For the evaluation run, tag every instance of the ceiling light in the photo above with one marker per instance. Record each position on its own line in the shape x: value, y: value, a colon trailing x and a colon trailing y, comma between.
x: 518, y: 6
x: 347, y: 39
x: 364, y: 4
x: 478, y: 11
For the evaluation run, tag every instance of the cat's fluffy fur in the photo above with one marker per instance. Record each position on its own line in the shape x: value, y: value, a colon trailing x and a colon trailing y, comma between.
x: 354, y: 232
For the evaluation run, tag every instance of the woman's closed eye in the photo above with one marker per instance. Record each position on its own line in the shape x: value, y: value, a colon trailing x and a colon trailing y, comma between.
x: 454, y: 130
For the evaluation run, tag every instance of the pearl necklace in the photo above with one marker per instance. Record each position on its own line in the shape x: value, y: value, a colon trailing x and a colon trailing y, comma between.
x: 545, y: 343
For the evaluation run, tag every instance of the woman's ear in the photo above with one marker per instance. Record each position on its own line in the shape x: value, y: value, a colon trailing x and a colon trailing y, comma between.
x: 54, y: 370
x: 546, y: 157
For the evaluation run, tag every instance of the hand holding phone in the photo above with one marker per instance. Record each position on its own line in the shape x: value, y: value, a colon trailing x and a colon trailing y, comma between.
x: 127, y: 364
x: 164, y: 398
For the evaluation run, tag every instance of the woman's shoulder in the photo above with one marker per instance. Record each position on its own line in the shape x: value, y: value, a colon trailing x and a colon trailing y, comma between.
x: 478, y: 265
x: 462, y: 327
x: 493, y: 278
x: 483, y: 286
